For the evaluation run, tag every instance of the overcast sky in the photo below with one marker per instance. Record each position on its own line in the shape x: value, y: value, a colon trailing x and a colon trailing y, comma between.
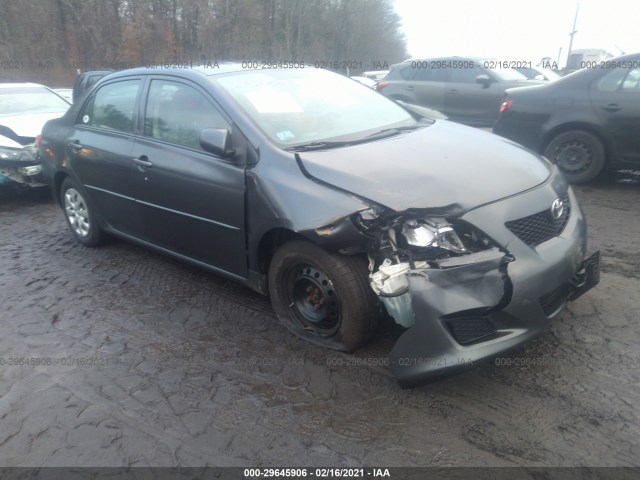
x: 517, y: 29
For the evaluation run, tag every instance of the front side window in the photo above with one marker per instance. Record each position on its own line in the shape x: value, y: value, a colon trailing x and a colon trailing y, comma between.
x: 177, y: 113
x: 465, y: 75
x: 112, y: 106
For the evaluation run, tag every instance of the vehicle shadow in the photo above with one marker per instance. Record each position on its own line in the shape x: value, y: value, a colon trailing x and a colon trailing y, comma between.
x: 10, y: 195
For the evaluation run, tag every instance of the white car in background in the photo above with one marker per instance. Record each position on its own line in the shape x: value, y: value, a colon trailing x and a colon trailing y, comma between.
x: 24, y: 109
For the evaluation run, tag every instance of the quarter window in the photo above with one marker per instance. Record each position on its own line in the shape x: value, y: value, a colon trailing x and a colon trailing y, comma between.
x: 177, y: 113
x: 112, y: 106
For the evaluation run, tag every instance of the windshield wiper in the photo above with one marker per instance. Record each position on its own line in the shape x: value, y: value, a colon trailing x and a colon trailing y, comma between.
x: 395, y: 130
x: 387, y: 132
x: 305, y: 147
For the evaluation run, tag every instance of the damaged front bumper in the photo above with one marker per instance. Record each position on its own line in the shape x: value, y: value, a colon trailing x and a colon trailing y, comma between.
x: 477, y: 306
x: 21, y: 169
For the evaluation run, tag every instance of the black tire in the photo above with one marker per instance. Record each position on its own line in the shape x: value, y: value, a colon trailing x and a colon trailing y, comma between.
x: 78, y: 212
x: 323, y: 297
x: 579, y: 155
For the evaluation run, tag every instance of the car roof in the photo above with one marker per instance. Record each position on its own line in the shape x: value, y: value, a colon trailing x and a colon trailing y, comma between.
x: 208, y: 70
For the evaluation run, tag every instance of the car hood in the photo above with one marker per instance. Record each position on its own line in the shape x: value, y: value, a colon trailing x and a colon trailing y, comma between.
x: 442, y: 166
x: 28, y: 125
x: 8, y: 143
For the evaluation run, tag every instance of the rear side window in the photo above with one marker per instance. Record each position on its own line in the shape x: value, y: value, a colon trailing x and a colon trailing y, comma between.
x: 404, y: 72
x: 427, y: 73
x: 632, y: 82
x: 612, y: 80
x: 177, y: 113
x: 112, y: 106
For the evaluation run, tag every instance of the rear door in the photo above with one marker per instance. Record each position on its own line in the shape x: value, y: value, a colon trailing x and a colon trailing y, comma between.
x: 616, y: 100
x: 428, y: 84
x: 471, y: 102
x: 192, y: 202
x: 99, y: 150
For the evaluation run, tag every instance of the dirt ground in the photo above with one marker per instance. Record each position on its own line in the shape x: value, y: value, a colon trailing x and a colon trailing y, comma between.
x: 118, y: 356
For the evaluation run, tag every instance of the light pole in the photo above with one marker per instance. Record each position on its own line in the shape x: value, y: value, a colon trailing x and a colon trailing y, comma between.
x: 573, y: 32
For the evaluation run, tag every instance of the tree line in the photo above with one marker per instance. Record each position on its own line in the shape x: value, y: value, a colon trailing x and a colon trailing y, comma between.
x: 50, y: 40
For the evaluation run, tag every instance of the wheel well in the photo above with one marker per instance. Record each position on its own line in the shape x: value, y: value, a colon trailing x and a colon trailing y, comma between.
x: 57, y: 185
x: 270, y: 242
x: 576, y: 126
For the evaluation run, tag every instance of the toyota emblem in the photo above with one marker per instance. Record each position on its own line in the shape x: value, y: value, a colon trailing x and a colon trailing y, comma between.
x: 557, y: 209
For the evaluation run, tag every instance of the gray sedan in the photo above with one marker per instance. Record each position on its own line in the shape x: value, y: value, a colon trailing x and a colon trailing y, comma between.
x: 341, y: 205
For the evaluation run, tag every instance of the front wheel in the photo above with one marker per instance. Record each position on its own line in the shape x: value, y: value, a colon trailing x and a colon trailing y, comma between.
x: 323, y: 297
x: 79, y: 215
x: 578, y: 154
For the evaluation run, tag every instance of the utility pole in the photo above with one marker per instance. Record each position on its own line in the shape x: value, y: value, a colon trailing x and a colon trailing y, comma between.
x: 573, y: 32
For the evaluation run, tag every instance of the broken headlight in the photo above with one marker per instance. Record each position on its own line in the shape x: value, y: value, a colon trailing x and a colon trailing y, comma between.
x: 432, y: 233
x: 17, y: 156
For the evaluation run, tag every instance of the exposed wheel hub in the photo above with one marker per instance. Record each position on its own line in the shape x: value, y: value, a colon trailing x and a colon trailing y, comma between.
x: 314, y: 300
x: 574, y: 157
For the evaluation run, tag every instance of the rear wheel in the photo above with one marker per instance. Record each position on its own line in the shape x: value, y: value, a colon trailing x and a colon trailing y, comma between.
x: 79, y: 215
x: 323, y: 297
x: 579, y: 154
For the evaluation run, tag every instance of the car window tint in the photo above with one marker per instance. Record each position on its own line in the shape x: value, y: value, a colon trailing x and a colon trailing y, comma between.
x: 112, y: 106
x: 177, y: 113
x: 464, y: 75
x: 612, y: 80
x: 425, y: 73
x: 632, y: 82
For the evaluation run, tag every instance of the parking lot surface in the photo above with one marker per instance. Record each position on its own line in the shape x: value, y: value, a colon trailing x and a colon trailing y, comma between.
x: 118, y: 356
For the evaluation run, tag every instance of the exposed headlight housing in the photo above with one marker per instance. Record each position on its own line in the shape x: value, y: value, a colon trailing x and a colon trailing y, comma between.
x: 31, y: 170
x: 9, y: 155
x: 432, y: 233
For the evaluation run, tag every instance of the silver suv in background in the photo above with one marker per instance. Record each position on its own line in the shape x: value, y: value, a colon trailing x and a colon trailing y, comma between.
x: 466, y: 90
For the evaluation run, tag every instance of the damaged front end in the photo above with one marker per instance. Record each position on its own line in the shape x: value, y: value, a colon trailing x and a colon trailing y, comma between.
x: 19, y: 165
x: 462, y: 295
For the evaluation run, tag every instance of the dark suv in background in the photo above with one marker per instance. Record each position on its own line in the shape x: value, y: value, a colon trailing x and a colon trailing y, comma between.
x: 467, y: 90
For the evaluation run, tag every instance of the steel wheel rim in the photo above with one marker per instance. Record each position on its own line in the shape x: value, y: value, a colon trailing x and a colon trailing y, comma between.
x: 314, y: 301
x: 77, y: 212
x: 573, y: 157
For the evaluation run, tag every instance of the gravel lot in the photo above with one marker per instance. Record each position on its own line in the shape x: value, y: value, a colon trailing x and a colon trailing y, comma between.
x: 150, y: 362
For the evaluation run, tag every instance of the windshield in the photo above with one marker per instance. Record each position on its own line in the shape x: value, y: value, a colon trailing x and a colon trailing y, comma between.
x: 295, y: 107
x: 29, y: 101
x: 508, y: 74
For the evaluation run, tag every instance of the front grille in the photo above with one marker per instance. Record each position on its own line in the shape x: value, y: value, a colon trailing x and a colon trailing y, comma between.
x: 470, y: 329
x: 553, y: 300
x: 540, y: 227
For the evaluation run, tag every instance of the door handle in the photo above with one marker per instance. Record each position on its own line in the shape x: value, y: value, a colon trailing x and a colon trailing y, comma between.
x: 75, y: 145
x: 453, y: 91
x: 409, y: 87
x: 612, y: 107
x: 142, y: 162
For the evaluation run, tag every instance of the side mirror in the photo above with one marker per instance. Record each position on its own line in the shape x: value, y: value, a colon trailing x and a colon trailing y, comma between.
x: 483, y: 80
x: 217, y: 141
